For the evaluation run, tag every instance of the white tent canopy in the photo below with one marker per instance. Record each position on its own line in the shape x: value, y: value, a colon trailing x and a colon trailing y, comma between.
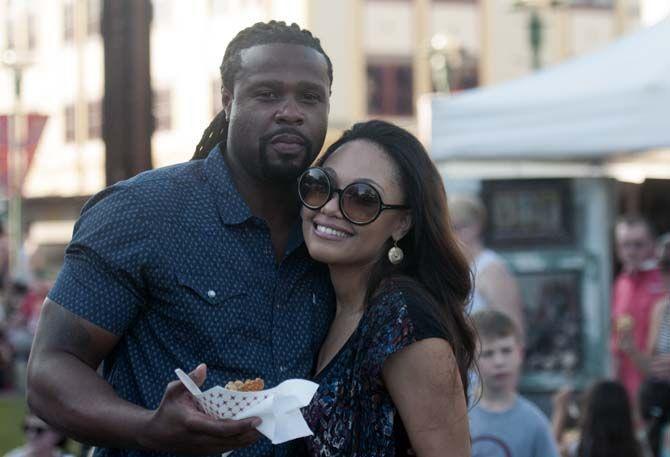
x: 613, y: 101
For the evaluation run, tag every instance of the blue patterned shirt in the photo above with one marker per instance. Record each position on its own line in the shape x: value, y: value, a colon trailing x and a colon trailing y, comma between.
x: 174, y: 262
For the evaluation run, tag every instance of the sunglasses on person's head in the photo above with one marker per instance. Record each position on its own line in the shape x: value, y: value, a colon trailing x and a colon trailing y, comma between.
x: 359, y: 202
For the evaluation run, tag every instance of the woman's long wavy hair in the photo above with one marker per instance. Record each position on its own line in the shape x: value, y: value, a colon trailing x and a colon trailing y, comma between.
x: 434, y: 268
x: 606, y: 425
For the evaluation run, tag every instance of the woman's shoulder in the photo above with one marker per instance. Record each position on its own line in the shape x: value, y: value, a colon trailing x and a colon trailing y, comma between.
x: 398, y: 294
x: 404, y: 300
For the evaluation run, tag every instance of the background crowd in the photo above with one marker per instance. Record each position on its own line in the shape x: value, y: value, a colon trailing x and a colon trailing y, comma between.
x: 627, y: 414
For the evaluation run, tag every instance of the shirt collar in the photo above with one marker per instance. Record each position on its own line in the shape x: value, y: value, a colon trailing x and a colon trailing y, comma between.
x: 232, y: 208
x: 230, y: 204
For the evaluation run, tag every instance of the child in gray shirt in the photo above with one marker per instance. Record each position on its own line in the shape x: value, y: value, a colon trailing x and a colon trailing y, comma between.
x: 503, y: 423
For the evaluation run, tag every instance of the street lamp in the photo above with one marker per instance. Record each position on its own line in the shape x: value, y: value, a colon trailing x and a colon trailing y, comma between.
x: 443, y: 57
x: 536, y: 25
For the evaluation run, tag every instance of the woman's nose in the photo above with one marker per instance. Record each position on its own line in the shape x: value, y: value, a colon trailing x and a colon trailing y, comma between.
x: 332, y: 206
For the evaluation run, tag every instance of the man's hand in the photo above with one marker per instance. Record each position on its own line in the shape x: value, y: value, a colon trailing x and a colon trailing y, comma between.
x: 65, y: 390
x: 179, y: 426
x: 660, y: 366
x: 625, y: 341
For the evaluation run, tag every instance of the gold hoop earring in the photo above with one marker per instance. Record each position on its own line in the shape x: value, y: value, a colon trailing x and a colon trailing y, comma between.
x: 395, y: 254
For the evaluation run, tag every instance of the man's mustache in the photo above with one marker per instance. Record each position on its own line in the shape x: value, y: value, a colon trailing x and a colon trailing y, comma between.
x: 265, y: 139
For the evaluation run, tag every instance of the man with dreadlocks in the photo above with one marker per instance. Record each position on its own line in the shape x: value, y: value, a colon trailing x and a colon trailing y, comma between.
x: 201, y: 264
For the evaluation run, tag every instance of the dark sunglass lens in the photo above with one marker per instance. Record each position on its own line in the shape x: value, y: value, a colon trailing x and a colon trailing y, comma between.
x: 314, y: 188
x: 360, y: 202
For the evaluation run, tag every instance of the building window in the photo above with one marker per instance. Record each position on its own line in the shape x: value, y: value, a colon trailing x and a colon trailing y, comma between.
x: 592, y: 3
x: 217, y: 105
x: 162, y: 11
x: 10, y: 33
x: 94, y: 120
x: 32, y: 31
x: 390, y: 89
x: 162, y: 109
x: 68, y: 22
x: 11, y: 30
x: 219, y: 7
x: 69, y: 123
x: 93, y: 13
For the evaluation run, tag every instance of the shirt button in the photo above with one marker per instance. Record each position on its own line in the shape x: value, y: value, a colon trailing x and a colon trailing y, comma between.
x: 211, y: 294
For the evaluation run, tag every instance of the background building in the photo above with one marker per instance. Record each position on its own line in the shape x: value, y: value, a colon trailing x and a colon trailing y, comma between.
x: 385, y: 53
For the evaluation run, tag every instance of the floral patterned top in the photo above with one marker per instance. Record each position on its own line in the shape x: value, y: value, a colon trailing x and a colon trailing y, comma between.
x: 352, y: 413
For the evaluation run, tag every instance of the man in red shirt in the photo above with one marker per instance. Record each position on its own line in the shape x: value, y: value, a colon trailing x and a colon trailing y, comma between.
x: 637, y: 288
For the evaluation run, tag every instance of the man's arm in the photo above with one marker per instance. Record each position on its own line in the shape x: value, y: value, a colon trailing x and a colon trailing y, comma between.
x: 66, y: 391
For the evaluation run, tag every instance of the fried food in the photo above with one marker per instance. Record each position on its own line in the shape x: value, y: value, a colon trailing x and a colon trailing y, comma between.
x: 248, y: 385
x: 624, y: 323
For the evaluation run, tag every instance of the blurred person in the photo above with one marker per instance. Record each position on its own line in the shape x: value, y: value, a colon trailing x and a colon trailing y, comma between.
x: 503, y: 423
x: 6, y: 358
x: 495, y: 286
x: 41, y: 440
x: 4, y: 258
x: 202, y: 261
x: 22, y: 326
x: 19, y: 334
x: 636, y: 290
x: 654, y: 360
x: 654, y: 404
x: 28, y: 312
x: 605, y: 428
x: 392, y: 372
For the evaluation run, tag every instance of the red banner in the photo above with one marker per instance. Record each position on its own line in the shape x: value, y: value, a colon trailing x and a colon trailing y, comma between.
x: 35, y: 126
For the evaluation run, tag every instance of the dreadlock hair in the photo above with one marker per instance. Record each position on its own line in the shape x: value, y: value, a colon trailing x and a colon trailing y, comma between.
x: 273, y: 32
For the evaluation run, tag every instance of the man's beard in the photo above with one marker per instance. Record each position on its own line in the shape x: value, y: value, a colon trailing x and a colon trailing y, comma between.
x: 283, y: 173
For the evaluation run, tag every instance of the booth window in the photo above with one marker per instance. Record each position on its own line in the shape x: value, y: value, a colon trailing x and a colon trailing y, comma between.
x: 390, y: 89
x: 528, y: 212
x: 555, y: 340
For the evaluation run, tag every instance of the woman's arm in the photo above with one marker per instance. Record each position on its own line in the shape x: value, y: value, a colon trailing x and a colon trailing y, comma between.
x: 501, y: 291
x: 655, y: 325
x: 659, y: 364
x: 425, y: 384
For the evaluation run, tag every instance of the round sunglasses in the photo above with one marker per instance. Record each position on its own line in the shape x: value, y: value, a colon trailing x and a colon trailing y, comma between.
x: 359, y: 202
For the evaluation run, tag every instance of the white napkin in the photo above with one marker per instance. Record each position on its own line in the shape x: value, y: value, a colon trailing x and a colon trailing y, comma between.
x: 278, y: 408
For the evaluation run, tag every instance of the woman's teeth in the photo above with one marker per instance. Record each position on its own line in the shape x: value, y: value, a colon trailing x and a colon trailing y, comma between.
x: 331, y: 231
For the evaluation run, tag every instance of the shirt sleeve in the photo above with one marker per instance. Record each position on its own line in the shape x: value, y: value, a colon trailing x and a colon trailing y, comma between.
x: 399, y: 319
x: 102, y: 275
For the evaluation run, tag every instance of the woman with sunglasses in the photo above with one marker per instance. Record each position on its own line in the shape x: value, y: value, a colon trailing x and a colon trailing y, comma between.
x: 393, y: 368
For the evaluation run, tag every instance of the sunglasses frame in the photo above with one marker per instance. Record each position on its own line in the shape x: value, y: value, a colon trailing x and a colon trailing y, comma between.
x: 340, y: 192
